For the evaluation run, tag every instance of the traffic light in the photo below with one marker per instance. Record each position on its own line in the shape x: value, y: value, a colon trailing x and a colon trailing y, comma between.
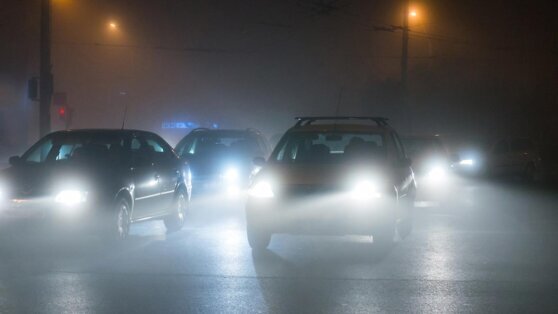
x: 62, y: 112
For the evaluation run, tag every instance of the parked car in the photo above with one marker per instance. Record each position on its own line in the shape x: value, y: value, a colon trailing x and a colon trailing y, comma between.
x: 221, y: 159
x: 348, y: 176
x: 516, y: 156
x: 105, y: 179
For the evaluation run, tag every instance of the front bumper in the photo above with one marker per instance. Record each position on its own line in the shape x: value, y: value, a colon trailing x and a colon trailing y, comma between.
x: 323, y: 216
x: 45, y: 211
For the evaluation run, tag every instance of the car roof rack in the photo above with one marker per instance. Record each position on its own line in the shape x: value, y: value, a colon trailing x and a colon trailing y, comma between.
x: 303, y: 121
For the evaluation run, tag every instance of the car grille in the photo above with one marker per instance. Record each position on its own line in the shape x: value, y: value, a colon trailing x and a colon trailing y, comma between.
x: 300, y: 190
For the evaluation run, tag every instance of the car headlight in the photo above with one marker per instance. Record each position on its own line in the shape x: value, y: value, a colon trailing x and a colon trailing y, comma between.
x: 231, y: 174
x: 364, y: 190
x: 436, y: 173
x: 261, y: 189
x: 71, y: 197
x: 467, y: 162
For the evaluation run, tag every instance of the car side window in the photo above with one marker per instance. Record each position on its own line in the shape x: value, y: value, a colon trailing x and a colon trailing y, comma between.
x: 158, y: 147
x: 40, y: 153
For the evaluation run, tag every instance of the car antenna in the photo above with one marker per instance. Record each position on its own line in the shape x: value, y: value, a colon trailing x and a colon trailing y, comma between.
x: 124, y: 117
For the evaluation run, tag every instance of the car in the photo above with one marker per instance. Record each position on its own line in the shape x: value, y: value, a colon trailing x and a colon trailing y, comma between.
x: 431, y: 158
x: 433, y: 166
x: 221, y: 159
x: 104, y: 179
x: 514, y: 156
x: 333, y: 176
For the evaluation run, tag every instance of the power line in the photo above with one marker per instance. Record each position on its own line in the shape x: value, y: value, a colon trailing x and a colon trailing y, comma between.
x: 148, y: 47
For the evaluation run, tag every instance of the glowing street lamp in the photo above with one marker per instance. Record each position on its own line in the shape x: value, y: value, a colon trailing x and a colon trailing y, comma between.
x: 113, y: 26
x: 413, y: 13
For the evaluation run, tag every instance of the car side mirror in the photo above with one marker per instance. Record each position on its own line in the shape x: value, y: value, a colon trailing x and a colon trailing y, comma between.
x: 258, y: 161
x: 14, y: 160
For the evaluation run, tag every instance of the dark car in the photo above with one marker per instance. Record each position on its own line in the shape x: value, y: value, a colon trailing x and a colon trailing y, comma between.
x: 221, y: 159
x: 433, y: 166
x: 340, y: 178
x: 106, y: 179
x: 514, y: 156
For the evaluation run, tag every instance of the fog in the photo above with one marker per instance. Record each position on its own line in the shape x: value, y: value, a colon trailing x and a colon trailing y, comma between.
x: 475, y: 69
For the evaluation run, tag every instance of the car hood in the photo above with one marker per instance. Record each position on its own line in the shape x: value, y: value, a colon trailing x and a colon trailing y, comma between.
x: 38, y: 180
x: 324, y: 174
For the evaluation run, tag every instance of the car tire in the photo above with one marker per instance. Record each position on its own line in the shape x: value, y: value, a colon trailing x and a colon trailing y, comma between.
x: 175, y: 221
x: 257, y: 239
x: 118, y: 225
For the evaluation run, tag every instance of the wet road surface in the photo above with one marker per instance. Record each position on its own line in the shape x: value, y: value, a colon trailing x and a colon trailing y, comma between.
x: 492, y: 247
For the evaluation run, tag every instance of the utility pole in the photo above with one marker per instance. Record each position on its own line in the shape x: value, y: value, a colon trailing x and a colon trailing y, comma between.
x: 46, y: 81
x: 405, y: 49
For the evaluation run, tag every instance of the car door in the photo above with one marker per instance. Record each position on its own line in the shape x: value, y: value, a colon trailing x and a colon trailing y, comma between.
x: 147, y: 189
x: 167, y: 165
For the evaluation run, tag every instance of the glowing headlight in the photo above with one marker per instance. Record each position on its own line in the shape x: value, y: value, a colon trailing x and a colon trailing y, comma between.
x: 436, y: 173
x: 365, y: 190
x: 467, y: 162
x: 261, y: 190
x: 71, y: 197
x: 231, y: 174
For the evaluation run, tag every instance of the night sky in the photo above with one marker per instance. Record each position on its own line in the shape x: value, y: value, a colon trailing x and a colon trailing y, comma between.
x: 476, y: 68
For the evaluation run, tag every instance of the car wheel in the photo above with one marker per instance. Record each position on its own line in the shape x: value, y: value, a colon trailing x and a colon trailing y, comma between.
x: 257, y: 238
x: 119, y: 226
x: 175, y: 221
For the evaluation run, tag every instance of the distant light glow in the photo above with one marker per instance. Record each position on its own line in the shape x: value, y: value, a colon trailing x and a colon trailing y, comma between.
x: 113, y: 25
x: 179, y: 125
x: 413, y: 13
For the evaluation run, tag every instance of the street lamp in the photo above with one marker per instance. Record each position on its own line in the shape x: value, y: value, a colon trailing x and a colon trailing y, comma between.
x: 112, y: 25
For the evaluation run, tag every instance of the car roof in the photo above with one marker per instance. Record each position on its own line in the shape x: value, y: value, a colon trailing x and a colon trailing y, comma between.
x: 341, y: 128
x: 421, y: 137
x: 225, y: 131
x: 100, y: 131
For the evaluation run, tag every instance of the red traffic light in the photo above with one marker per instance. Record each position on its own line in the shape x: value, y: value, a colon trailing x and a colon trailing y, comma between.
x: 62, y: 112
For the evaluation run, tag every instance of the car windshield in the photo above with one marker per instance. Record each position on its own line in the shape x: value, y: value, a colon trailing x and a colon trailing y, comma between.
x: 420, y: 146
x: 329, y: 147
x: 74, y: 147
x: 219, y: 143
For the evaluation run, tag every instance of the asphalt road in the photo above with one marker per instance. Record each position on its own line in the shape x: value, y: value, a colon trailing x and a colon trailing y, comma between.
x: 493, y: 247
